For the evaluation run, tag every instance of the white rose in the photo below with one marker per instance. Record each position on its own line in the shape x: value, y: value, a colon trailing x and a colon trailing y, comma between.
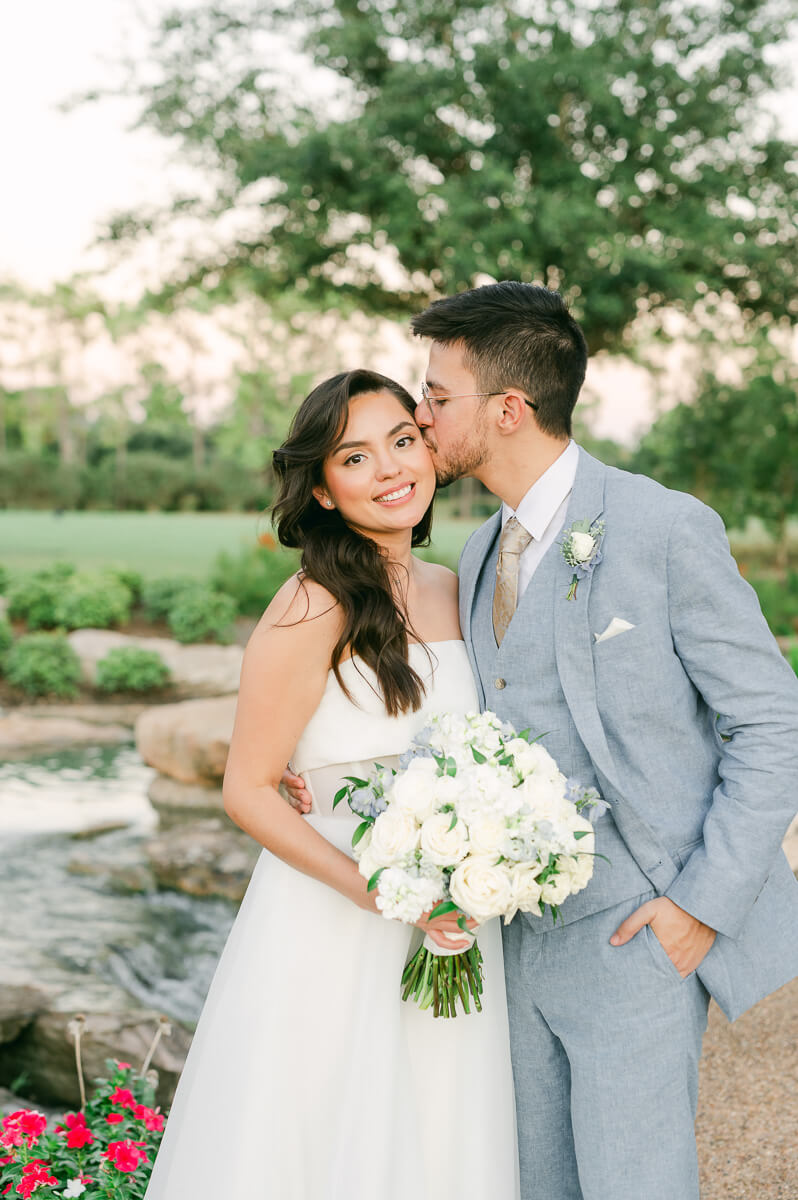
x: 481, y: 888
x: 579, y: 869
x: 582, y: 546
x: 414, y: 790
x: 526, y: 891
x: 442, y: 845
x: 556, y: 888
x: 488, y: 835
x: 394, y: 838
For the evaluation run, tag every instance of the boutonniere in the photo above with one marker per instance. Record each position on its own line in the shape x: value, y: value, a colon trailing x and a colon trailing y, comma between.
x: 581, y: 549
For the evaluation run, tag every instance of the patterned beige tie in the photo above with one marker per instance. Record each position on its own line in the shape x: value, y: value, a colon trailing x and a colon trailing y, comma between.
x: 514, y: 540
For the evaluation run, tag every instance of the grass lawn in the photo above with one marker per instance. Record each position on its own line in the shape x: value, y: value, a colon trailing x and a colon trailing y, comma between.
x: 154, y: 543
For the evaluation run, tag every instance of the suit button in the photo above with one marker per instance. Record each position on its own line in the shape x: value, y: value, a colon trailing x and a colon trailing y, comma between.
x: 500, y: 683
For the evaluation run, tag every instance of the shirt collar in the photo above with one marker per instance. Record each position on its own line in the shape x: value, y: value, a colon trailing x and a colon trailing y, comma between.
x: 537, y: 508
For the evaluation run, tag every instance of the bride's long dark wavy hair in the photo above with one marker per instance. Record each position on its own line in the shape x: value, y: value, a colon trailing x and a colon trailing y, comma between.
x: 349, y: 565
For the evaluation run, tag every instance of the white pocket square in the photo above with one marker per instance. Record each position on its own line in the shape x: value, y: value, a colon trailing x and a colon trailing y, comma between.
x: 617, y: 625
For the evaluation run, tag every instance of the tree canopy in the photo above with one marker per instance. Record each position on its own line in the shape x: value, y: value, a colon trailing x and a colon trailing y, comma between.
x: 389, y: 151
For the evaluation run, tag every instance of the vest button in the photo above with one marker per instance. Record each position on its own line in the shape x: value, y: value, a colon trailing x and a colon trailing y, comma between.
x: 500, y: 683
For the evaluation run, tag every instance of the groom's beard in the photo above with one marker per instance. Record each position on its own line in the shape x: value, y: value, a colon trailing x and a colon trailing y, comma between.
x: 464, y: 458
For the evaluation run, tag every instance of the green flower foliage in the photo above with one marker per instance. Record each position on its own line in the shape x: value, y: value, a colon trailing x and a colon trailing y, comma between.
x: 43, y: 664
x: 200, y: 614
x: 131, y: 669
x: 159, y: 595
x: 93, y: 602
x: 253, y: 576
x: 34, y: 598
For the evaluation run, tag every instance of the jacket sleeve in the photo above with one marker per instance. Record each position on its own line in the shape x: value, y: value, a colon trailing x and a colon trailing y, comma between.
x: 733, y: 660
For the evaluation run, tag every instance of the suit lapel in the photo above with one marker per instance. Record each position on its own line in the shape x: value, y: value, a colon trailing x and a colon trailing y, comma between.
x: 573, y: 639
x: 470, y: 566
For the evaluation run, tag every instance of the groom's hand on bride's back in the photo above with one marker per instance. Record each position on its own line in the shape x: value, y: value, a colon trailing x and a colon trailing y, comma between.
x: 297, y: 793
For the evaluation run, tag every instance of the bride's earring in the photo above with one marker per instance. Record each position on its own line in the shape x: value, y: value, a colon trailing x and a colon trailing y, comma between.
x: 329, y: 503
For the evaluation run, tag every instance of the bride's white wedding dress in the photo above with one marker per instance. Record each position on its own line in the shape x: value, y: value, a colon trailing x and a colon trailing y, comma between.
x: 308, y: 1077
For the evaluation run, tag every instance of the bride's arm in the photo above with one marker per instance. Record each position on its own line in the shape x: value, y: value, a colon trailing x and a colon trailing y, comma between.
x: 283, y: 677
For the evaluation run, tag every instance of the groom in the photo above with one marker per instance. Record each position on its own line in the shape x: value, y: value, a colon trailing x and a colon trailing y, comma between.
x: 646, y: 661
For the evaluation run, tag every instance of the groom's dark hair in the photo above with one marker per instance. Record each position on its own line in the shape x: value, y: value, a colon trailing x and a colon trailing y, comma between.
x: 515, y: 335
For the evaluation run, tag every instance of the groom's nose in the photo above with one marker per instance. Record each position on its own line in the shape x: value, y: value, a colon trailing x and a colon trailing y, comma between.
x: 423, y: 415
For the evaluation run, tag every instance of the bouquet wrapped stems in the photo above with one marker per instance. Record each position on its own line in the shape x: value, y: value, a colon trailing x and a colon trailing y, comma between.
x: 436, y: 978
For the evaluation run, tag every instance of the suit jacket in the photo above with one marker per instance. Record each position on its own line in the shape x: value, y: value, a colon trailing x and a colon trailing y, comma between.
x: 690, y: 718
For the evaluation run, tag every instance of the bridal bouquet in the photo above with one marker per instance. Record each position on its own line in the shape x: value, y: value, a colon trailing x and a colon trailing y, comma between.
x: 478, y: 819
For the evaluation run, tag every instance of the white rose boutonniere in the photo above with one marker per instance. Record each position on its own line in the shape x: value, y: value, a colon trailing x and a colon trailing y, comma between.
x: 581, y: 549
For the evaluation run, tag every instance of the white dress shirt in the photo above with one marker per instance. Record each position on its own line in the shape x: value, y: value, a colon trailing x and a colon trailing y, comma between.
x: 542, y: 511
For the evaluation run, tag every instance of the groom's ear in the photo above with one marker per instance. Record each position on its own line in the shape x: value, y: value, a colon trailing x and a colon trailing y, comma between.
x: 514, y: 411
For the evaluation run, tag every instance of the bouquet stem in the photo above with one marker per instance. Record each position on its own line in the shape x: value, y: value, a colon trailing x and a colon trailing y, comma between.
x: 440, y: 980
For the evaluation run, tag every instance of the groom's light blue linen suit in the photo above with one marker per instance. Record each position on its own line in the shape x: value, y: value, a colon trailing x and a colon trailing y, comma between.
x: 688, y: 725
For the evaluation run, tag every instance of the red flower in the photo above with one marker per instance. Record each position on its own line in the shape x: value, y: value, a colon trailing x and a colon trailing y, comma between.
x: 6, y: 1189
x: 153, y: 1120
x: 127, y: 1155
x: 79, y: 1137
x: 124, y: 1097
x: 23, y: 1124
x: 115, y: 1118
x: 123, y: 1066
x: 34, y: 1173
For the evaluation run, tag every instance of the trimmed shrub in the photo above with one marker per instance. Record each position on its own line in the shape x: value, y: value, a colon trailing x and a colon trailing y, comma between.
x: 93, y: 602
x: 779, y: 600
x: 4, y: 579
x: 6, y: 638
x: 159, y: 596
x: 253, y: 576
x: 131, y: 669
x: 33, y: 598
x: 129, y: 578
x: 43, y: 664
x: 38, y: 481
x: 202, y: 615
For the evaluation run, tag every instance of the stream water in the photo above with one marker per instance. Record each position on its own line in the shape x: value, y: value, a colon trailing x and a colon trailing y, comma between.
x: 78, y: 932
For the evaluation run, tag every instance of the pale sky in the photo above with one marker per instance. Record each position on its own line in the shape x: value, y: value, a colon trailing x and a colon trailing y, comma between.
x: 62, y: 172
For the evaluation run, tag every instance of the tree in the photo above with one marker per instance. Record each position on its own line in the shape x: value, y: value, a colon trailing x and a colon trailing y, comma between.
x: 619, y: 151
x: 735, y: 447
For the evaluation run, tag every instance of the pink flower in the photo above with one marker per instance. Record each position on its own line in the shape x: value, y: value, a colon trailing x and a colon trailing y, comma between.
x: 126, y: 1155
x: 115, y: 1118
x: 77, y: 1131
x: 123, y: 1066
x: 24, y: 1124
x: 153, y: 1120
x: 124, y: 1097
x: 34, y: 1173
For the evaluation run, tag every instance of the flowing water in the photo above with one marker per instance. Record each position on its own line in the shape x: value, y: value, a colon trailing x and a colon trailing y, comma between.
x: 78, y: 933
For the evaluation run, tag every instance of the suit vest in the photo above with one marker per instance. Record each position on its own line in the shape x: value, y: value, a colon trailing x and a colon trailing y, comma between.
x: 522, y: 685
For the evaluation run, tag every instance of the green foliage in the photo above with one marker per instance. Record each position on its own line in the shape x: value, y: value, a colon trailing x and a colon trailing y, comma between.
x: 128, y: 578
x: 253, y: 576
x: 34, y: 480
x: 6, y: 638
x: 793, y: 658
x: 131, y: 669
x: 33, y: 598
x: 93, y: 602
x: 199, y: 614
x: 159, y: 595
x: 779, y: 600
x: 621, y: 151
x: 734, y: 447
x: 43, y: 664
x: 4, y: 579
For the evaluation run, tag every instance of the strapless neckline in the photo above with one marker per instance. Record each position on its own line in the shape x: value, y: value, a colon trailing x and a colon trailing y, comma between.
x: 410, y: 646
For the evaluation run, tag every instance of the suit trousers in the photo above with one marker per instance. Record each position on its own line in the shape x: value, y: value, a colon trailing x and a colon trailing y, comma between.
x: 605, y: 1044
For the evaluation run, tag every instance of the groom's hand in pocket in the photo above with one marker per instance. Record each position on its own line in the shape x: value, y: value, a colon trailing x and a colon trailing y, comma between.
x: 684, y: 938
x: 296, y: 792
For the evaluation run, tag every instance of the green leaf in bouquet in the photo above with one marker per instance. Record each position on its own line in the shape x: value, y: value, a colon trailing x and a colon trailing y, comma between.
x: 539, y: 737
x: 442, y: 908
x: 339, y: 795
x: 451, y: 766
x: 507, y: 760
x: 359, y: 832
x: 375, y: 879
x: 441, y: 761
x: 353, y: 779
x: 479, y: 758
x: 461, y: 922
x: 453, y: 822
x: 581, y: 833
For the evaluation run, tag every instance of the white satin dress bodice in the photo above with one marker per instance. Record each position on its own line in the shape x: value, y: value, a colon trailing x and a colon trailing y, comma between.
x: 308, y: 1075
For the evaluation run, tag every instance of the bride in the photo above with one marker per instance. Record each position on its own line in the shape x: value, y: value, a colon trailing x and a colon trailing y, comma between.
x: 308, y: 1078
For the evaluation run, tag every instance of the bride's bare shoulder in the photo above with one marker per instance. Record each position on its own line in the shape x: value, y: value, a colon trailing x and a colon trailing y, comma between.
x: 301, y: 613
x: 439, y: 578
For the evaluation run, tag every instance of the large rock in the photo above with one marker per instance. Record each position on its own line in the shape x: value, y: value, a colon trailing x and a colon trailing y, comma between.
x: 211, y: 858
x: 176, y: 802
x: 44, y: 1053
x: 200, y: 670
x: 23, y: 732
x: 20, y: 1003
x: 188, y: 741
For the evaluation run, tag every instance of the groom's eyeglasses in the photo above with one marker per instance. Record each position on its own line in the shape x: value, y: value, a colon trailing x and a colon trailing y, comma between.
x: 437, y: 402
